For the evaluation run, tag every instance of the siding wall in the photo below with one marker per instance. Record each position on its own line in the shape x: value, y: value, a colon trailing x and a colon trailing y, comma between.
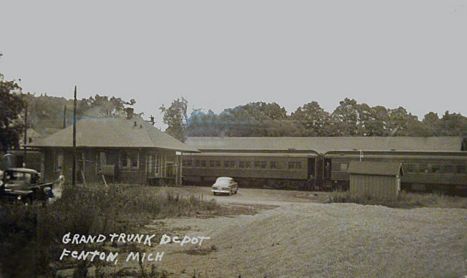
x: 89, y: 163
x: 384, y: 187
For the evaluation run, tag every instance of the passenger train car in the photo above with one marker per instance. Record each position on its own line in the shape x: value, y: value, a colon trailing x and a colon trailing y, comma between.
x: 435, y: 164
x: 443, y: 172
x: 266, y: 170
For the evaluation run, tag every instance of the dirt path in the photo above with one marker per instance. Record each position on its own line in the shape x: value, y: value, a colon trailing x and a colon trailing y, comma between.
x: 300, y: 238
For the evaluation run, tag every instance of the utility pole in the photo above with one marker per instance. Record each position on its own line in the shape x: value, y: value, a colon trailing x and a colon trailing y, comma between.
x: 25, y: 138
x: 64, y: 116
x: 73, y: 175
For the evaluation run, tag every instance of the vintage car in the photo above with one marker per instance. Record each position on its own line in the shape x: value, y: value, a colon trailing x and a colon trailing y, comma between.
x: 225, y: 185
x: 23, y: 184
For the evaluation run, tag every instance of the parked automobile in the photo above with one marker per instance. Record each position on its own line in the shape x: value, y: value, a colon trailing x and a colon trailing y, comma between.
x: 225, y: 185
x: 23, y: 184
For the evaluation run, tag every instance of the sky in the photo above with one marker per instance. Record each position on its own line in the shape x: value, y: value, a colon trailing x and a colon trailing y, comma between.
x: 220, y: 54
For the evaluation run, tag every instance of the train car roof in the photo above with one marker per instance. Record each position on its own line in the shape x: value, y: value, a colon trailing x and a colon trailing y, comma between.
x: 251, y: 154
x: 462, y: 154
x: 375, y: 168
x: 326, y: 144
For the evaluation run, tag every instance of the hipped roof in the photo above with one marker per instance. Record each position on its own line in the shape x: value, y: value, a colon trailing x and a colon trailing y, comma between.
x: 114, y: 133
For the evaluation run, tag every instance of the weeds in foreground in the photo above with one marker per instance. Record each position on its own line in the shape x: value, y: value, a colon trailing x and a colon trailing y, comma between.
x: 30, y: 236
x: 404, y: 200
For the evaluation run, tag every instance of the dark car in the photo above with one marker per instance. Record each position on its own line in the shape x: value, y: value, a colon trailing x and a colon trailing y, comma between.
x: 24, y: 184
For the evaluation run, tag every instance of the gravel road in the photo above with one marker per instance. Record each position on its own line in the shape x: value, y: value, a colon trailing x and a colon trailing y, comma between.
x: 303, y: 238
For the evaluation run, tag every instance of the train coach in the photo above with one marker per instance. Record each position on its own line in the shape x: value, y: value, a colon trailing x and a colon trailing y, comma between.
x: 286, y: 170
x: 441, y: 172
x: 435, y: 164
x: 261, y: 162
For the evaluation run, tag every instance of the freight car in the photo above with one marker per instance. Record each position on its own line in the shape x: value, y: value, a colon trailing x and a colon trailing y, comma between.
x: 442, y: 172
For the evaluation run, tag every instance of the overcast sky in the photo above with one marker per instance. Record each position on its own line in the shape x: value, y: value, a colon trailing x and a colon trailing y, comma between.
x: 220, y: 54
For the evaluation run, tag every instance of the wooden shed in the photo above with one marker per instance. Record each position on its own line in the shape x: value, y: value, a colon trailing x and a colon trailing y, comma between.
x: 380, y: 180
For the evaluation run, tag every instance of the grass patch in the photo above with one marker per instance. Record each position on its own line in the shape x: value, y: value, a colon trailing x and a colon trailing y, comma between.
x: 30, y: 236
x: 404, y: 200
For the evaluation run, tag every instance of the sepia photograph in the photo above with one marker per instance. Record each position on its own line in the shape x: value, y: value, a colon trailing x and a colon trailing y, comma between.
x: 205, y: 139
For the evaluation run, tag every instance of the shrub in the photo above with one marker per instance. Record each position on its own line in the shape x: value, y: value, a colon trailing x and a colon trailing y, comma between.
x: 404, y: 200
x: 30, y: 236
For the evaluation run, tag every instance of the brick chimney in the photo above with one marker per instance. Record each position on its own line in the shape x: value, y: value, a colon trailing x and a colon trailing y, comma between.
x: 129, y: 113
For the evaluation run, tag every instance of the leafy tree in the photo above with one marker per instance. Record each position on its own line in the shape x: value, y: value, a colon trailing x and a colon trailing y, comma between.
x: 377, y: 121
x: 453, y: 124
x: 46, y: 113
x: 104, y: 106
x: 175, y: 117
x: 432, y: 122
x: 399, y: 120
x: 11, y: 108
x: 345, y: 118
x: 252, y: 119
x: 204, y: 124
x: 312, y: 120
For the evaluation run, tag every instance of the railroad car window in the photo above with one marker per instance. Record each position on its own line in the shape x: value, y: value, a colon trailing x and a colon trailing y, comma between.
x: 411, y: 168
x: 295, y: 165
x: 335, y: 166
x: 424, y: 168
x: 435, y: 168
x: 273, y: 165
x: 343, y: 167
x: 461, y: 169
x: 260, y: 164
x: 229, y: 164
x: 447, y: 169
x: 244, y: 164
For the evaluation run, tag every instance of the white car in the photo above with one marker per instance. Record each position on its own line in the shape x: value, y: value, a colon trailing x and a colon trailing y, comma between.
x: 225, y: 185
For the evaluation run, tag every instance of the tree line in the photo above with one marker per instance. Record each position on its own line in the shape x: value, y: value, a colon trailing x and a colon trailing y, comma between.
x: 47, y: 114
x: 349, y: 118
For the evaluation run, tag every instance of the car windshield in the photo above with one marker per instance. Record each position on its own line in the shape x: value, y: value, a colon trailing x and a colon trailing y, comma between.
x: 223, y: 180
x: 17, y: 176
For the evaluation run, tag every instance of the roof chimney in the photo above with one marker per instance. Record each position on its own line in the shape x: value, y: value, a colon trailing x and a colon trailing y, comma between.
x: 129, y: 113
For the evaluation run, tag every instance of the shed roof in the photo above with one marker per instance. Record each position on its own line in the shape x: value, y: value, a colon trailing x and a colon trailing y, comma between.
x: 114, y: 133
x: 326, y: 144
x: 375, y: 168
